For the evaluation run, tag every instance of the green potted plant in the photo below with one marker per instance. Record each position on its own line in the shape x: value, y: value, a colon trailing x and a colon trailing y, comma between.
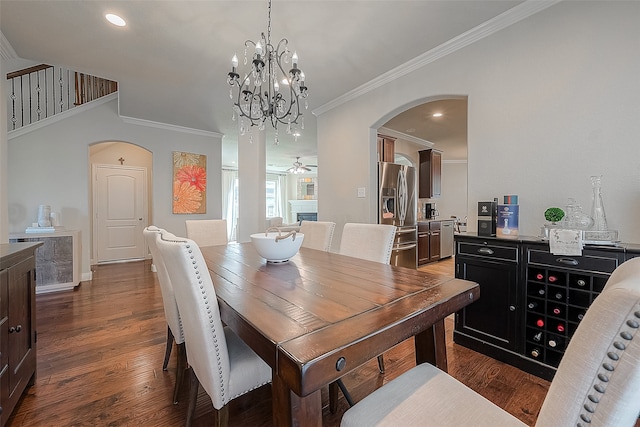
x: 553, y: 215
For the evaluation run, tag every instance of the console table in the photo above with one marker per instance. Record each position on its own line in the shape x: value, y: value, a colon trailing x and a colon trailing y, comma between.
x: 57, y: 260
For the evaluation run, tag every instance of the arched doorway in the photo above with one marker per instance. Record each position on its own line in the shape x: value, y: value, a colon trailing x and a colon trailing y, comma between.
x: 417, y: 129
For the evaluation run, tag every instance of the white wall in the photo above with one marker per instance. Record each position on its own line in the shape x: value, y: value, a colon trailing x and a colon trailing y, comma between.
x: 454, y: 190
x: 51, y: 165
x: 553, y: 100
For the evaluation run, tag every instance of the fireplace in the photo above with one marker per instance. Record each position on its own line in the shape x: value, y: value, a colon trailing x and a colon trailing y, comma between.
x: 307, y: 216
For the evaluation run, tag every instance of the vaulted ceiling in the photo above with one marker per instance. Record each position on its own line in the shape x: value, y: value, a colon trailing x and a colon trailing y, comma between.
x: 172, y: 58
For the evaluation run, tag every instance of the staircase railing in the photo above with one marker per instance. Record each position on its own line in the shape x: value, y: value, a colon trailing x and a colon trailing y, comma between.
x: 42, y: 91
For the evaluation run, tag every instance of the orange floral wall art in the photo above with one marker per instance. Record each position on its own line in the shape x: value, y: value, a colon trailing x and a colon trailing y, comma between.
x: 189, y: 183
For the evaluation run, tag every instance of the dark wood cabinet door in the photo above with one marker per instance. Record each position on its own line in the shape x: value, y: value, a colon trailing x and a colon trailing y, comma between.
x: 430, y: 175
x: 21, y: 324
x: 434, y: 240
x: 492, y: 317
x: 423, y: 248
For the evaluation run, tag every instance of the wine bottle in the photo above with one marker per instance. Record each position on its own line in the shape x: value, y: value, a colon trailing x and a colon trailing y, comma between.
x: 541, y: 291
x: 581, y: 282
x: 580, y: 316
x: 552, y: 279
x: 540, y: 276
x: 540, y: 323
x: 535, y: 353
x: 558, y: 295
x: 557, y: 311
x: 555, y: 342
x: 560, y: 327
x: 532, y: 305
x: 537, y: 337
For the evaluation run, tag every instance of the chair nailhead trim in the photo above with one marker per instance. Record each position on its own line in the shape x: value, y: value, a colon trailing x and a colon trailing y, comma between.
x: 590, y: 404
x: 211, y: 315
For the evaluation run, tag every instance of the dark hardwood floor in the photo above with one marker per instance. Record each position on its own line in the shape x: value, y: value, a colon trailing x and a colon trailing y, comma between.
x: 100, y: 352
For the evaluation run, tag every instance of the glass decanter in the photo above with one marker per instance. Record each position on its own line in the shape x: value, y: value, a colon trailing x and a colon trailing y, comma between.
x: 597, y: 207
x: 575, y: 219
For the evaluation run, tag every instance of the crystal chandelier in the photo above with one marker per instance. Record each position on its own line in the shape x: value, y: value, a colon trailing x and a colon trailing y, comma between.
x: 258, y: 96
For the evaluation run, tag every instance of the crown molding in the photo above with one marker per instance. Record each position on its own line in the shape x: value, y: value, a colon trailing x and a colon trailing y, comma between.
x: 395, y: 134
x: 169, y: 127
x: 504, y: 20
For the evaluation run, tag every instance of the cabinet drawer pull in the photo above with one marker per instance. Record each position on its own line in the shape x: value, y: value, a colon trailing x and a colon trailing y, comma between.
x: 567, y: 261
x: 485, y: 251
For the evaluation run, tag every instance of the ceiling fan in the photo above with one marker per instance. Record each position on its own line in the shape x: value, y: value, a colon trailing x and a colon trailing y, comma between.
x: 298, y: 167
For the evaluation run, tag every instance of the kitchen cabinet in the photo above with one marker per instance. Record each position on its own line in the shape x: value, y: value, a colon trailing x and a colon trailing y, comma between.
x: 17, y: 323
x: 428, y: 241
x: 491, y: 321
x: 531, y: 301
x: 430, y: 182
x: 386, y: 149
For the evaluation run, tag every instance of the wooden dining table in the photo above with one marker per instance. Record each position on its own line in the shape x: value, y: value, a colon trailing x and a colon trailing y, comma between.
x: 320, y: 315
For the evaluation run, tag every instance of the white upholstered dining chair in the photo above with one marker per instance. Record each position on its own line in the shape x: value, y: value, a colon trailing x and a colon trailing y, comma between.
x: 224, y: 364
x: 317, y: 234
x: 597, y: 382
x: 373, y: 242
x: 207, y: 232
x: 171, y: 313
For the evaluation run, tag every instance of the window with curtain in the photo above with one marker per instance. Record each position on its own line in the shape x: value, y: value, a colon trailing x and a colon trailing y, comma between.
x: 276, y: 196
x: 276, y: 199
x: 230, y: 201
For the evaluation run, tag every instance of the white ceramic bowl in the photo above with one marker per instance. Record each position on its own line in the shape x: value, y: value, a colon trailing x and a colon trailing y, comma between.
x: 277, y: 251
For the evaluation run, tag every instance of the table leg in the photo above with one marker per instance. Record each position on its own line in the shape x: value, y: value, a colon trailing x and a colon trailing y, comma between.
x: 431, y: 346
x: 289, y: 409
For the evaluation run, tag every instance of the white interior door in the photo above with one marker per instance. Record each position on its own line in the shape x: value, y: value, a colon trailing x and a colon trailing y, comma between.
x: 120, y: 208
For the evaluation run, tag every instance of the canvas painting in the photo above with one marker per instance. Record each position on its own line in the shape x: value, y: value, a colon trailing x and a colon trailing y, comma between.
x: 189, y: 183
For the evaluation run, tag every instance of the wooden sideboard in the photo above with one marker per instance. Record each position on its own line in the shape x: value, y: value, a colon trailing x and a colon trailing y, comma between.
x: 17, y: 323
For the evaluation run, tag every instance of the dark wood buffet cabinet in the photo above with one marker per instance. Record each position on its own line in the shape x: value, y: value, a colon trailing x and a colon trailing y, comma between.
x: 17, y: 323
x: 531, y: 301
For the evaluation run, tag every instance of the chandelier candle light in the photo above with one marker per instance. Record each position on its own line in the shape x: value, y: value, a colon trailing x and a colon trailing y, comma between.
x: 258, y: 97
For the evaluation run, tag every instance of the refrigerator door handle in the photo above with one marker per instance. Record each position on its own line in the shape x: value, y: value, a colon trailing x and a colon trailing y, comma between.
x: 402, y: 195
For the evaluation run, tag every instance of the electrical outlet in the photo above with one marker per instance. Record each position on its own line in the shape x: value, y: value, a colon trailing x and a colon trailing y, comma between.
x: 362, y: 192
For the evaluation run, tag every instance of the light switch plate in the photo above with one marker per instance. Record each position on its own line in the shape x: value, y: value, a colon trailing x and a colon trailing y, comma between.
x: 362, y: 192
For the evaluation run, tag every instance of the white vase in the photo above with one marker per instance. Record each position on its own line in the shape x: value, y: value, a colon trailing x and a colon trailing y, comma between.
x: 44, y: 216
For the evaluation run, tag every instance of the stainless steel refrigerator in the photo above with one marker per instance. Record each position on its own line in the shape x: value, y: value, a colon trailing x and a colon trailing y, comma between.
x: 397, y: 205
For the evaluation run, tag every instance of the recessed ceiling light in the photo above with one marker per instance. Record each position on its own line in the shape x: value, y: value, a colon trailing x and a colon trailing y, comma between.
x: 115, y: 20
x: 437, y: 114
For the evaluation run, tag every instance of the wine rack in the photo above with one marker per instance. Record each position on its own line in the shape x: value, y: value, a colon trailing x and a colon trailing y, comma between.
x: 559, y: 290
